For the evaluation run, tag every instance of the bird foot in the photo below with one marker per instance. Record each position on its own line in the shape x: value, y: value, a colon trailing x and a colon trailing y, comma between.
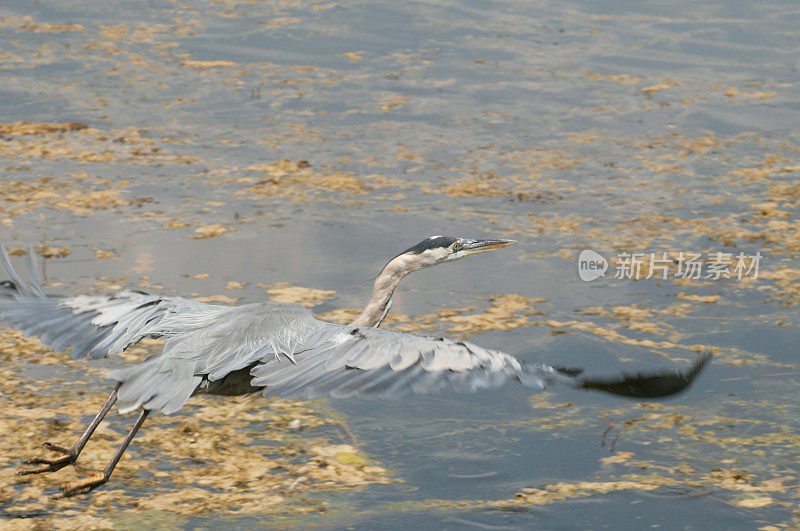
x: 82, y: 486
x: 52, y: 464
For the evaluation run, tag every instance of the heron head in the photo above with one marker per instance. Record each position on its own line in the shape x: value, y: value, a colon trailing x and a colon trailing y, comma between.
x: 438, y: 249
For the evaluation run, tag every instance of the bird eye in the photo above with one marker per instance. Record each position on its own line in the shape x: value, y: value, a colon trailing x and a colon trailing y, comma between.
x: 457, y: 247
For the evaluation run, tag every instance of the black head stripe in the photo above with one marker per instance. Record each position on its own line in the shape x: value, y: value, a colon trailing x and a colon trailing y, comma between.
x: 431, y: 243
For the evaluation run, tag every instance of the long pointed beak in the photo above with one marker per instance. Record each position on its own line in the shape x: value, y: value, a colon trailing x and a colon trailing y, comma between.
x: 480, y: 246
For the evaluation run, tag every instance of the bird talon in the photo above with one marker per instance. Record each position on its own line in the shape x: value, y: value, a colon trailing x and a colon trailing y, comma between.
x: 34, y: 471
x: 86, y: 471
x: 53, y: 465
x: 59, y: 449
x: 82, y: 486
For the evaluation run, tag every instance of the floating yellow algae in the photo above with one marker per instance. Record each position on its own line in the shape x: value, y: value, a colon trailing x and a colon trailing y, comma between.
x: 736, y: 481
x: 770, y: 209
x: 51, y: 251
x: 505, y: 312
x: 753, y: 175
x: 685, y: 145
x: 75, y: 141
x: 755, y: 503
x: 105, y: 284
x: 224, y: 299
x: 240, y: 473
x: 209, y: 231
x: 298, y: 182
x: 619, y: 457
x: 540, y: 401
x: 353, y: 56
x: 231, y: 285
x: 27, y: 24
x: 14, y: 346
x: 732, y: 92
x: 175, y: 224
x: 473, y: 187
x: 759, y: 95
x: 341, y: 465
x: 635, y: 317
x: 103, y: 254
x: 145, y: 284
x: 344, y: 182
x: 204, y: 65
x: 705, y: 299
x: 586, y: 138
x: 390, y: 101
x: 525, y: 185
x: 733, y: 356
x: 280, y: 167
x: 564, y: 491
x: 665, y: 168
x: 39, y: 128
x: 346, y: 315
x: 620, y: 78
x: 77, y: 522
x: 652, y: 89
x: 278, y: 22
x: 285, y: 292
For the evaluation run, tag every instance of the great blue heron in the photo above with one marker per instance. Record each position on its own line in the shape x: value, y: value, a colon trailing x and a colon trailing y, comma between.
x: 275, y: 349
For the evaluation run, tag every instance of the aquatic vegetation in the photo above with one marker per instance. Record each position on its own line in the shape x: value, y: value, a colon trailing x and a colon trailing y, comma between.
x: 213, y: 145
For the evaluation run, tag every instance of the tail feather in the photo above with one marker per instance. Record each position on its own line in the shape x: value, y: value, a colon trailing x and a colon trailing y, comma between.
x: 149, y: 386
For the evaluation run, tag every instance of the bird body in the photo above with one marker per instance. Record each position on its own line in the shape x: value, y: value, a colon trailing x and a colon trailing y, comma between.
x: 278, y: 349
x: 283, y: 347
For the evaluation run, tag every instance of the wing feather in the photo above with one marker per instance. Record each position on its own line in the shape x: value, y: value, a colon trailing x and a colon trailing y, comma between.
x: 343, y: 361
x: 94, y: 326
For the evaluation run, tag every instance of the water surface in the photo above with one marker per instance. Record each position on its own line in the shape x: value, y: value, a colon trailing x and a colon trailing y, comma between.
x: 308, y: 142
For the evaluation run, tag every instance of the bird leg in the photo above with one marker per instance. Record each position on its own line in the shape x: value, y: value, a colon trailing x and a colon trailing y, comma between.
x: 70, y: 454
x: 95, y: 478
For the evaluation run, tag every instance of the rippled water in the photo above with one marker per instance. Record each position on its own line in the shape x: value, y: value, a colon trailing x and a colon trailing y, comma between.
x: 615, y: 126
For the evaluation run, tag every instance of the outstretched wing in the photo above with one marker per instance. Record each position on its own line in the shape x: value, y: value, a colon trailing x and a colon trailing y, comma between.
x: 93, y: 326
x: 278, y: 347
x: 341, y: 361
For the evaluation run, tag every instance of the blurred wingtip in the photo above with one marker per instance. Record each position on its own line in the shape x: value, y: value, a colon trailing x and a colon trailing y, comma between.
x: 659, y: 384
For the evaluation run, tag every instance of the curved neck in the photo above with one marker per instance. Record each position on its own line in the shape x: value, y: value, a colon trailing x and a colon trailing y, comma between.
x: 382, y: 291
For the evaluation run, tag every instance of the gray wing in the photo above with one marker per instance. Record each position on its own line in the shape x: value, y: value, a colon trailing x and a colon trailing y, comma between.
x: 341, y: 361
x: 278, y: 347
x: 92, y: 326
x: 213, y: 347
x: 284, y: 351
